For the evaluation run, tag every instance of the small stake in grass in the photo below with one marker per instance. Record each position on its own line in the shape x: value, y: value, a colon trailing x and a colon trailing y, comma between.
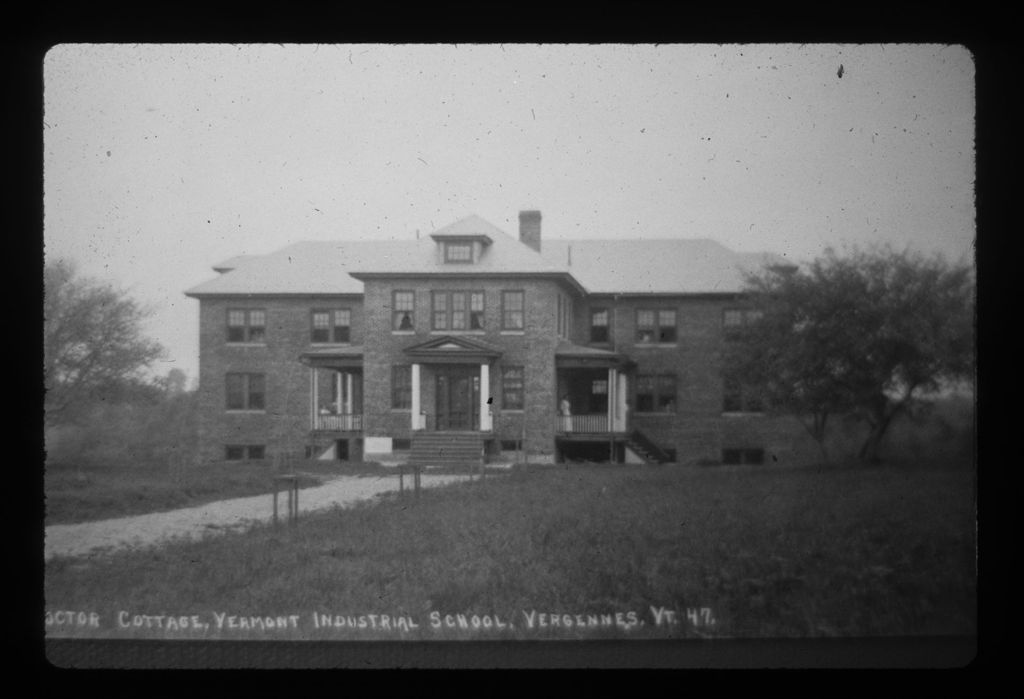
x: 291, y: 483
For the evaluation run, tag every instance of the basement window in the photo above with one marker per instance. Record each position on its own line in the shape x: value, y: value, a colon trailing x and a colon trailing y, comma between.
x: 742, y: 456
x: 240, y: 452
x: 401, y: 444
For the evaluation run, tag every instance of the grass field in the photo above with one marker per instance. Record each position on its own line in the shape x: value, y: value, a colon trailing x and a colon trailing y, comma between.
x: 81, y: 495
x: 568, y: 553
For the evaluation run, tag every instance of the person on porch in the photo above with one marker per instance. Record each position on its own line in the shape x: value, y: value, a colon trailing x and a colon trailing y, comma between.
x: 565, y: 410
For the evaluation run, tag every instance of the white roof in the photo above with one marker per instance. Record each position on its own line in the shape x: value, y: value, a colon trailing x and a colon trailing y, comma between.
x: 668, y: 266
x: 656, y: 266
x: 325, y: 267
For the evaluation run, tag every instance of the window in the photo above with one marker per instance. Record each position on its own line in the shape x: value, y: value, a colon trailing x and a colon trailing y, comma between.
x: 246, y: 392
x: 656, y: 326
x: 599, y: 325
x: 743, y: 456
x: 656, y: 393
x: 457, y: 310
x: 511, y: 445
x: 666, y: 393
x: 401, y: 444
x: 564, y: 320
x: 512, y: 387
x: 239, y: 452
x: 247, y: 325
x: 733, y: 319
x: 458, y: 252
x: 404, y: 310
x: 738, y: 398
x: 401, y: 387
x: 331, y: 326
x: 512, y: 315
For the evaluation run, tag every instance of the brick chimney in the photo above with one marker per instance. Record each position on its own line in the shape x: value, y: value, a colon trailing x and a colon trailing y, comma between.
x: 529, y: 229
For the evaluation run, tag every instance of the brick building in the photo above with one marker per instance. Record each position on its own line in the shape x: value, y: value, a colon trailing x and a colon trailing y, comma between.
x: 470, y: 341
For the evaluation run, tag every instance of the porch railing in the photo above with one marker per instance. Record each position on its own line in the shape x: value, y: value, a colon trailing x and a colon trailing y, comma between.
x: 582, y: 423
x: 340, y: 423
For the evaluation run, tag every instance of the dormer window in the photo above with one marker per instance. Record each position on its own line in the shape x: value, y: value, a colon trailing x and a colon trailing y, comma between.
x: 460, y: 248
x: 458, y: 252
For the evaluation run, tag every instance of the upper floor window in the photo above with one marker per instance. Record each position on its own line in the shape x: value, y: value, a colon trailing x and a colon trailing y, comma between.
x: 401, y: 386
x: 564, y: 321
x: 403, y: 310
x: 738, y: 398
x: 512, y: 310
x: 246, y: 391
x: 331, y: 326
x: 247, y: 325
x: 458, y: 252
x: 656, y: 326
x: 599, y: 325
x: 735, y: 318
x: 457, y: 310
x: 512, y: 387
x: 656, y: 393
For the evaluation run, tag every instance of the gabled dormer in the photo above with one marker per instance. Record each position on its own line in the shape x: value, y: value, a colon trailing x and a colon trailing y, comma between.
x: 463, y: 242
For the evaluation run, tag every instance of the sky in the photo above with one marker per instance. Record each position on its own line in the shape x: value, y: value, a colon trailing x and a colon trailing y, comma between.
x: 162, y: 160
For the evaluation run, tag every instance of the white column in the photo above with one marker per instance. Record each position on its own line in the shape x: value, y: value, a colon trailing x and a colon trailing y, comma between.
x: 338, y: 397
x: 612, y: 405
x: 316, y: 397
x: 349, y: 401
x: 415, y: 397
x: 485, y: 393
x: 312, y: 394
x: 620, y: 402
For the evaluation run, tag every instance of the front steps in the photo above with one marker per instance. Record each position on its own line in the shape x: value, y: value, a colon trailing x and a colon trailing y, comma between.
x: 455, y: 450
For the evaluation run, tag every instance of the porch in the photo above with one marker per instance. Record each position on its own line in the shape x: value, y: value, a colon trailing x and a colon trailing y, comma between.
x: 335, y: 390
x: 450, y: 385
x: 592, y: 390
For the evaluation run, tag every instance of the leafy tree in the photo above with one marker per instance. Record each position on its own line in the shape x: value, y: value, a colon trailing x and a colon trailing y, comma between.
x: 93, y: 343
x: 865, y: 334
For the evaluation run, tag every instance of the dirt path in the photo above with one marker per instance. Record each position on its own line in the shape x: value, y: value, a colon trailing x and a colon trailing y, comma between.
x: 215, y: 517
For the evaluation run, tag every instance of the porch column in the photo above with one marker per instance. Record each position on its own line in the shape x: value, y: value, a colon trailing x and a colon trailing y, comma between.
x: 339, y: 398
x: 312, y: 398
x: 612, y: 401
x: 620, y: 404
x: 349, y: 400
x: 415, y: 408
x: 316, y: 398
x: 485, y: 394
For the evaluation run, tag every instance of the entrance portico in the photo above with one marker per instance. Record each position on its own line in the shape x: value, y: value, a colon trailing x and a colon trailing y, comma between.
x: 451, y: 384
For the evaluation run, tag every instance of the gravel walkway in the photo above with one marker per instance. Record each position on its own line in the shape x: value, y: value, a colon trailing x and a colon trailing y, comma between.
x: 216, y: 517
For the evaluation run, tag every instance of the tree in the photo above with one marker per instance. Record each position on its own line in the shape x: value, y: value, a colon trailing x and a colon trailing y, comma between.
x: 866, y: 334
x: 93, y: 344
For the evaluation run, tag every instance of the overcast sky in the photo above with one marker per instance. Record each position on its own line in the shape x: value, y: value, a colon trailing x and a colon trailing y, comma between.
x: 161, y: 160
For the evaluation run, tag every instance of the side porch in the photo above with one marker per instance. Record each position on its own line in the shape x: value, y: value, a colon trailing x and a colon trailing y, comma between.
x: 593, y: 422
x: 335, y: 403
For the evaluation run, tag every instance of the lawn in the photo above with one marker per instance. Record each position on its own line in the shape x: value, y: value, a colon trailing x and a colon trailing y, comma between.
x: 102, y: 492
x: 580, y: 552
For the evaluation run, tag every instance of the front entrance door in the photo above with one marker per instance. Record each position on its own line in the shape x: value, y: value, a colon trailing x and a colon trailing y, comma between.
x: 458, y: 395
